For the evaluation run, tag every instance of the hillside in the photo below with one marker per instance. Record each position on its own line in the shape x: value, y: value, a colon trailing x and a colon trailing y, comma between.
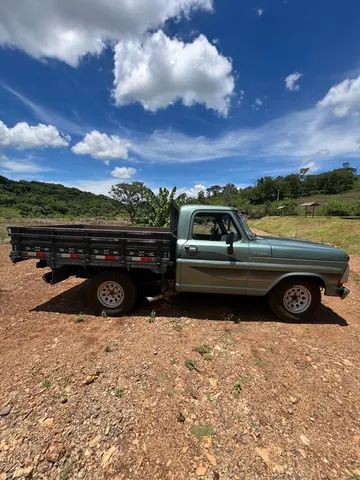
x: 39, y: 199
x: 338, y: 231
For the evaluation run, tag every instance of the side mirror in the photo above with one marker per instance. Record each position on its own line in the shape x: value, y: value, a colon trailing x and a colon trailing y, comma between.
x: 230, y: 237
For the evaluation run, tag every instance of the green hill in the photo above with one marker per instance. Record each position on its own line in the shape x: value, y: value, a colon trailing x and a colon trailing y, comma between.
x: 38, y: 199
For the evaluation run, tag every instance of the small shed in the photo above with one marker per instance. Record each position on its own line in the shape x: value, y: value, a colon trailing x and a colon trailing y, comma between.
x: 310, y: 207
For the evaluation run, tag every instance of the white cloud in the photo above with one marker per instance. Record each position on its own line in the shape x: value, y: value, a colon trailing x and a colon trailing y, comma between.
x: 291, y: 81
x: 26, y: 165
x: 123, y: 173
x: 69, y: 29
x: 46, y: 115
x: 102, y: 146
x: 23, y: 136
x: 314, y: 133
x: 160, y: 71
x: 191, y: 191
x: 260, y: 11
x: 99, y: 187
x: 343, y: 98
x: 258, y: 103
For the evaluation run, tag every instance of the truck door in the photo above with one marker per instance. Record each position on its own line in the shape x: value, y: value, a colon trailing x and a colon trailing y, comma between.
x: 207, y: 263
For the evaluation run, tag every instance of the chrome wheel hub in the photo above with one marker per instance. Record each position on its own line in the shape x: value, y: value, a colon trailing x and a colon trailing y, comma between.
x: 297, y: 299
x: 110, y: 294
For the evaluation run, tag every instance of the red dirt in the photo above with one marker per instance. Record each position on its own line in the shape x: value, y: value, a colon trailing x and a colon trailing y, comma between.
x: 99, y: 398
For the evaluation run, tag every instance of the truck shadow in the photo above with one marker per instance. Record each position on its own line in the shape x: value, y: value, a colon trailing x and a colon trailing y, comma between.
x: 199, y: 306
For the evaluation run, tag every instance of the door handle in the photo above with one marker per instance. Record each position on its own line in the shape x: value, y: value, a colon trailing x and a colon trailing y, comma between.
x: 191, y: 249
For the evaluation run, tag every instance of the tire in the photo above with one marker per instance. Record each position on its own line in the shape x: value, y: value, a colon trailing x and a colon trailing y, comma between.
x: 295, y: 300
x: 112, y: 293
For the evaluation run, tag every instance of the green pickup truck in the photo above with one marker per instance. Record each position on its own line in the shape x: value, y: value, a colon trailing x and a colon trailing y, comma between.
x: 207, y: 249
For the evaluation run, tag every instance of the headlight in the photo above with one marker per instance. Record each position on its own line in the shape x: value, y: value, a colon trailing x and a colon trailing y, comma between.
x: 345, y: 276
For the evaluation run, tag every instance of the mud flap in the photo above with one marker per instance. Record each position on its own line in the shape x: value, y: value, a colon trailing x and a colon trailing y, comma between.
x: 56, y: 275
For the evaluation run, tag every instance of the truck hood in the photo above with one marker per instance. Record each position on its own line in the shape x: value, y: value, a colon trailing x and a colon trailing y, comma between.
x: 303, y: 249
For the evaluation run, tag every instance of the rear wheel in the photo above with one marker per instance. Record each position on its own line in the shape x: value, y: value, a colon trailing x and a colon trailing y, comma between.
x: 295, y: 300
x: 112, y: 293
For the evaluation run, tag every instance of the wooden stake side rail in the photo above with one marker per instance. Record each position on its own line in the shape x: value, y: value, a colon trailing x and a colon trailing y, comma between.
x: 89, y: 246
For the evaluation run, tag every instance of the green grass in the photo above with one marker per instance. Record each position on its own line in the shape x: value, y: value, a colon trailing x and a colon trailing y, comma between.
x: 46, y: 384
x: 205, y: 351
x: 201, y: 431
x: 352, y: 197
x: 118, y: 392
x: 191, y: 364
x: 342, y: 232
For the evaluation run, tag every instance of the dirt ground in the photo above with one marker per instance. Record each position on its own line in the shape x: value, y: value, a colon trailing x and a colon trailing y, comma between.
x: 85, y: 397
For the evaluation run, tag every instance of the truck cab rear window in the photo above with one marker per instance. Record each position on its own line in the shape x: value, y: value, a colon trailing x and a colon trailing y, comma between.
x: 213, y: 227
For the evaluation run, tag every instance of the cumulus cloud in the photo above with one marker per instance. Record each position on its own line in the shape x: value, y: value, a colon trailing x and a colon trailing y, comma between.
x: 291, y: 81
x: 313, y: 133
x: 23, y: 136
x: 123, y: 173
x: 102, y: 146
x: 191, y: 191
x: 159, y: 70
x: 68, y: 29
x: 343, y: 98
x: 26, y: 165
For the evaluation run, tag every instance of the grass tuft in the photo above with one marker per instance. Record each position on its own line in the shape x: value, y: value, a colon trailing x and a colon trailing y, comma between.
x: 201, y: 431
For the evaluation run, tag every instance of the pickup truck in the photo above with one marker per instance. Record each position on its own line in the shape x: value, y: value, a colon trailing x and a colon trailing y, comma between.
x: 206, y: 249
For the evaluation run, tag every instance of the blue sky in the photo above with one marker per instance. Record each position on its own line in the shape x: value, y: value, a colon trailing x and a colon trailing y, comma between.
x: 177, y: 92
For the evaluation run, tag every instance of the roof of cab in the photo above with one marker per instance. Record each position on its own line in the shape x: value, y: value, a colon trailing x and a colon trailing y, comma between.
x: 193, y: 207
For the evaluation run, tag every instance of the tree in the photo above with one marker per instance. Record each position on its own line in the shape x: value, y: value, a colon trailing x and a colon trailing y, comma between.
x: 214, y: 191
x: 157, y: 209
x: 132, y: 196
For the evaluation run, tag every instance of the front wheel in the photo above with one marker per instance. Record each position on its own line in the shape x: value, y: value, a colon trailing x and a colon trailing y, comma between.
x: 112, y: 293
x: 295, y: 300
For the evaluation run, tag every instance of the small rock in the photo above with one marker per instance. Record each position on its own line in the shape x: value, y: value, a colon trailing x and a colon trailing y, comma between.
x: 91, y: 379
x: 180, y: 418
x: 87, y: 453
x: 304, y: 440
x: 63, y: 400
x: 264, y: 455
x: 107, y: 456
x: 55, y: 452
x: 94, y: 441
x: 5, y: 411
x: 23, y: 472
x: 47, y: 422
x: 294, y: 400
x: 278, y: 469
x: 302, y: 453
x: 211, y: 458
x: 206, y: 442
x: 201, y: 471
x: 213, y: 382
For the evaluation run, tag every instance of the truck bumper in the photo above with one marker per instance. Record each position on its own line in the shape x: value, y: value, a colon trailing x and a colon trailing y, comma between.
x: 342, y: 292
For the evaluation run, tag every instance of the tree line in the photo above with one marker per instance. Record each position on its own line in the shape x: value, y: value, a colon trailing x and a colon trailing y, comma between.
x: 141, y: 205
x: 264, y: 198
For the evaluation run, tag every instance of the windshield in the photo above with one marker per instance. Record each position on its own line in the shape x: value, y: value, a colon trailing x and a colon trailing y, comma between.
x: 246, y: 227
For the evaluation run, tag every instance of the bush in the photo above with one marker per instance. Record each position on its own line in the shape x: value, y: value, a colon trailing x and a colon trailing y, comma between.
x: 272, y: 209
x: 336, y: 209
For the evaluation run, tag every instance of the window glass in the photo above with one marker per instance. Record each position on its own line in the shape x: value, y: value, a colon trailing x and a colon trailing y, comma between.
x: 212, y: 226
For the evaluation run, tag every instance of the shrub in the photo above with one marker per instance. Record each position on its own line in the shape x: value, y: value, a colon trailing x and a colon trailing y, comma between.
x: 336, y: 209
